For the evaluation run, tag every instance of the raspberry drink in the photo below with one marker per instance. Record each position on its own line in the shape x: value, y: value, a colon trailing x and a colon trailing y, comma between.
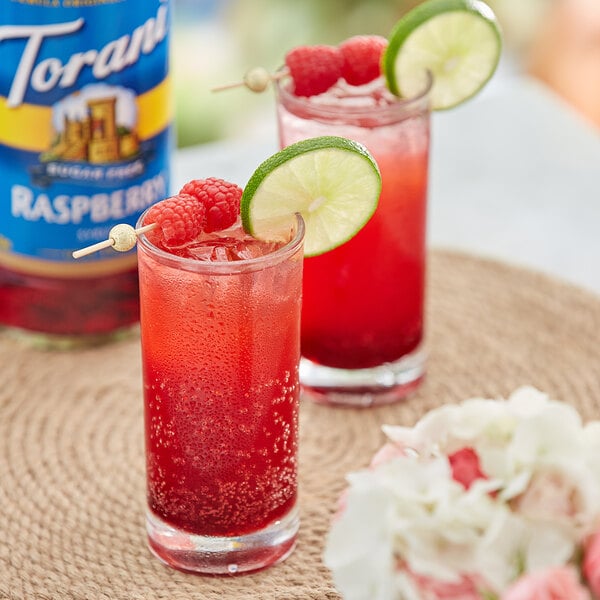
x: 220, y: 273
x: 362, y: 315
x: 356, y: 315
x: 220, y: 345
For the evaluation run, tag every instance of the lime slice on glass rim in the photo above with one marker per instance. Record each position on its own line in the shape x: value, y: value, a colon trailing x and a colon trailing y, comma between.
x: 457, y: 42
x: 333, y: 182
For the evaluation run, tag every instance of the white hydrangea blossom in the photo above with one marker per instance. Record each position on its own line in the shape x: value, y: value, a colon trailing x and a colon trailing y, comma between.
x: 406, y: 516
x: 412, y: 510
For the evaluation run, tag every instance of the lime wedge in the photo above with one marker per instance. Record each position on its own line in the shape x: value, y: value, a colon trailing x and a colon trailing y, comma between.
x: 333, y: 182
x: 457, y: 41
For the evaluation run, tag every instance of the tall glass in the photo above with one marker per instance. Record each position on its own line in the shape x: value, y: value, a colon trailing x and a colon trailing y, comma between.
x: 363, y: 303
x: 220, y: 351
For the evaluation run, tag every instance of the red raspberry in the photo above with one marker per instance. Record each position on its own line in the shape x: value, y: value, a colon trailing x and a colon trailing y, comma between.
x: 314, y: 69
x: 361, y: 57
x: 180, y: 219
x: 220, y: 198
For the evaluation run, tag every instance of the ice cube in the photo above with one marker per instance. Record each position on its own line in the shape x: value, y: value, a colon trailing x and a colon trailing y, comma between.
x: 233, y: 244
x: 201, y: 251
x: 221, y: 253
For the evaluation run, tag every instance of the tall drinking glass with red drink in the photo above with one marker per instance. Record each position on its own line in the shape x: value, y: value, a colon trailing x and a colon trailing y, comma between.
x: 363, y: 307
x: 362, y: 315
x: 220, y: 347
x: 220, y: 274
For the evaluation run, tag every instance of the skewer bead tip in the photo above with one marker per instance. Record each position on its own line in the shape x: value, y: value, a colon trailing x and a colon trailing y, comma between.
x: 123, y: 236
x: 257, y: 79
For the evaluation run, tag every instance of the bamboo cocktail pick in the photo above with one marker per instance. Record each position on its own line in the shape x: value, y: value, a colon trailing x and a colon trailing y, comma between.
x: 121, y: 237
x: 256, y: 79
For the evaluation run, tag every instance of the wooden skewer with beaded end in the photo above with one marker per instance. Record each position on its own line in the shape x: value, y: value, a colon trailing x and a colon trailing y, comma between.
x: 121, y: 237
x: 256, y: 80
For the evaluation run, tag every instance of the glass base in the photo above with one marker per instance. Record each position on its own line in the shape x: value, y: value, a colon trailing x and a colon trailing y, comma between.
x: 222, y: 555
x: 385, y: 384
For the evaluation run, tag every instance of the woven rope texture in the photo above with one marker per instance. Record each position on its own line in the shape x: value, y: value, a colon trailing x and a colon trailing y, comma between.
x: 72, y: 491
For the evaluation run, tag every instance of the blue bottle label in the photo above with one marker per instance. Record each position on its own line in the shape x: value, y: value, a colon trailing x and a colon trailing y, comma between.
x: 85, y: 134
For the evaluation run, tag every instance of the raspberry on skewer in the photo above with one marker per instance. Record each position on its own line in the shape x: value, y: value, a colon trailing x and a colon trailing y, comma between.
x: 314, y: 69
x: 220, y: 198
x: 202, y: 205
x: 361, y: 56
x: 180, y: 219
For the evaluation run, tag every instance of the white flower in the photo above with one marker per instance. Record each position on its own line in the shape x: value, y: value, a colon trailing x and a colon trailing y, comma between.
x: 451, y: 427
x: 360, y: 549
x: 406, y: 521
x: 516, y: 439
x: 515, y: 544
x: 551, y: 464
x: 407, y: 510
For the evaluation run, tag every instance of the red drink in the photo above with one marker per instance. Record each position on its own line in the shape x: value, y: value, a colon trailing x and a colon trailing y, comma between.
x: 220, y: 345
x: 362, y: 315
x: 75, y: 310
x: 365, y: 299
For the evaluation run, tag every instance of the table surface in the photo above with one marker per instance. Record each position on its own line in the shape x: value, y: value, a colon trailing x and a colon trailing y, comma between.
x: 514, y: 175
x: 71, y: 438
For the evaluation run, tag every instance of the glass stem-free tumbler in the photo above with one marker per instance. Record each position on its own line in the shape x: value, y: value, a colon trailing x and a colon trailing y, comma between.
x: 363, y: 303
x: 220, y: 353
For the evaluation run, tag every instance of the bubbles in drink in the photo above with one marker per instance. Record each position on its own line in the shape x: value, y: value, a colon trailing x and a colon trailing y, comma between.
x: 233, y: 458
x: 221, y: 396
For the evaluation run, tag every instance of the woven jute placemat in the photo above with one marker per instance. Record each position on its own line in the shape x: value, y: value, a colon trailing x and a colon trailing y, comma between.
x: 72, y: 491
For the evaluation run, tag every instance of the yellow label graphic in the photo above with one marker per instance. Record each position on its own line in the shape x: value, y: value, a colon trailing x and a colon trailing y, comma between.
x: 29, y: 127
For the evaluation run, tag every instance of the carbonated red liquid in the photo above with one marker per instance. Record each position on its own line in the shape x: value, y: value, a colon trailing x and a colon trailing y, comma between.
x: 220, y: 356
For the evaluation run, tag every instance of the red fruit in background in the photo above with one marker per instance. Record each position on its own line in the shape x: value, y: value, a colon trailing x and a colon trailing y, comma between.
x: 220, y: 198
x: 180, y: 219
x: 361, y: 57
x: 314, y: 69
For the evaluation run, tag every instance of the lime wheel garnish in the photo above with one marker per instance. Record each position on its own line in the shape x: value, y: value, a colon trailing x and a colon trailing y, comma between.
x: 456, y: 42
x: 333, y: 182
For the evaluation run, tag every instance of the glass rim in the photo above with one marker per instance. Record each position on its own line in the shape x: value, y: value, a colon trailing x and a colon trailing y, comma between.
x: 224, y: 267
x: 403, y: 106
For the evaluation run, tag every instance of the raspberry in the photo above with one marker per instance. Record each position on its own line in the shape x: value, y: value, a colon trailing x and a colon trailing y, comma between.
x: 180, y: 219
x: 314, y: 69
x: 361, y: 58
x: 220, y: 198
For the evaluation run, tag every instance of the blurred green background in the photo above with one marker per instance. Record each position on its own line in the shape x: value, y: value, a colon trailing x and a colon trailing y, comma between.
x: 216, y: 41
